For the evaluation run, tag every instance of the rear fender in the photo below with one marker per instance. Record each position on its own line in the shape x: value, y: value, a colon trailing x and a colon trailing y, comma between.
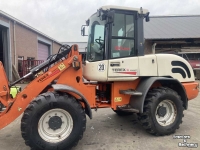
x: 137, y: 102
x: 62, y: 87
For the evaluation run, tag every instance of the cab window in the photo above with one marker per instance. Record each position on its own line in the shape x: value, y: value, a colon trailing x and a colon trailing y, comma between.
x: 95, y: 51
x: 123, y: 36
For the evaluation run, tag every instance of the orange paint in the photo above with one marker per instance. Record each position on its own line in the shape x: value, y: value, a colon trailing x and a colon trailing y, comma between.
x: 65, y: 74
x: 61, y: 71
x: 192, y: 89
x: 122, y: 85
x: 4, y: 89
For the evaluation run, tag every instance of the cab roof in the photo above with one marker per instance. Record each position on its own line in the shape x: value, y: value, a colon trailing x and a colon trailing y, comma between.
x: 109, y: 7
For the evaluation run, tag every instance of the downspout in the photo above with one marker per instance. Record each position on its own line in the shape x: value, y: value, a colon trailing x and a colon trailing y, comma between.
x: 153, y: 48
x: 15, y: 51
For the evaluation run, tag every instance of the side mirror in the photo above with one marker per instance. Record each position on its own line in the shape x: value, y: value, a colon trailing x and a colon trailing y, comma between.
x: 83, y: 30
x: 87, y: 22
x: 147, y: 19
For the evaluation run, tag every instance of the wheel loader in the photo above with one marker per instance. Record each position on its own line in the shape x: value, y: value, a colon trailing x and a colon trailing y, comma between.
x: 114, y: 74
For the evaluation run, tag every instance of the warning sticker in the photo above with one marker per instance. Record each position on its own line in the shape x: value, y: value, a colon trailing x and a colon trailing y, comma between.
x: 61, y: 67
x: 117, y: 99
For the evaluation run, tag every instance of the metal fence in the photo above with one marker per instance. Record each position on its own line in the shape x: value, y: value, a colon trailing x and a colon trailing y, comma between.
x: 24, y: 66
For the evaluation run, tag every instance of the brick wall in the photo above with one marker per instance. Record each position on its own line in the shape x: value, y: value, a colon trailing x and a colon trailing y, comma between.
x: 4, y: 19
x: 56, y: 47
x: 26, y: 42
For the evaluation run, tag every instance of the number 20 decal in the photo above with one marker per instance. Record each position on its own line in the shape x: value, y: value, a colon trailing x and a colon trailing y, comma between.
x: 101, y: 67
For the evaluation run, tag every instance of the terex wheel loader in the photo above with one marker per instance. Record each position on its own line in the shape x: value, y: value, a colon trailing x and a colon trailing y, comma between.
x: 114, y: 74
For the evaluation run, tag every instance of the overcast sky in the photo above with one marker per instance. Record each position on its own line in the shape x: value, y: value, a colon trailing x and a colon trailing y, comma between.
x: 62, y: 19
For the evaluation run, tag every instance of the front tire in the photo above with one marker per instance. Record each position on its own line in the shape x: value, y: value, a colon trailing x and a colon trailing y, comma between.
x: 53, y: 121
x: 163, y: 111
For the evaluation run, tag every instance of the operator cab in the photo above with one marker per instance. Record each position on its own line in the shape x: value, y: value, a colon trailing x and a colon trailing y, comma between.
x: 115, y: 35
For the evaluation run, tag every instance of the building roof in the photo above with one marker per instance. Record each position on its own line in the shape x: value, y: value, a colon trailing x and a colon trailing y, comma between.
x: 172, y: 27
x: 166, y: 27
x: 27, y: 26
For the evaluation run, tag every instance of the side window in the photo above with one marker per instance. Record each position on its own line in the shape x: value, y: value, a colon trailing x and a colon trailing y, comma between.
x: 119, y: 25
x: 123, y: 36
x: 96, y: 43
x: 98, y: 32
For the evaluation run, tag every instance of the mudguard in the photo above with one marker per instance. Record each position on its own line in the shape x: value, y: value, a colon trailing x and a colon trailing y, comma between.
x: 137, y: 102
x: 60, y: 87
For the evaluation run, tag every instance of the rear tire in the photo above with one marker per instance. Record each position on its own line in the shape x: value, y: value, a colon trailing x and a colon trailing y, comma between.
x: 163, y: 111
x: 53, y: 121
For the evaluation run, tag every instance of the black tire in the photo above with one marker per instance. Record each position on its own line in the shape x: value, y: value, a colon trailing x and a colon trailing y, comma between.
x: 47, y: 102
x: 122, y: 113
x: 148, y: 118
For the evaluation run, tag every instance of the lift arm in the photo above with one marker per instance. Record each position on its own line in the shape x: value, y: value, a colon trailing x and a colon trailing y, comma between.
x: 15, y: 107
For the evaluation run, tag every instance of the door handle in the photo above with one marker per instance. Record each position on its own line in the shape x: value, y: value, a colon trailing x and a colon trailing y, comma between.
x: 115, y: 64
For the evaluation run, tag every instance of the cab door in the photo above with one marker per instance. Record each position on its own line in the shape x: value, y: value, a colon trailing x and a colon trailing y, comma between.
x: 123, y: 61
x: 96, y: 66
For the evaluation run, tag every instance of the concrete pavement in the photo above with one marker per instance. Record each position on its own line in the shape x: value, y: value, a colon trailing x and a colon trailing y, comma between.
x: 107, y: 131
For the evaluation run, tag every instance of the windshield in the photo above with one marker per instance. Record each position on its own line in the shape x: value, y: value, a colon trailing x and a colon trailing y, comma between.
x: 95, y: 48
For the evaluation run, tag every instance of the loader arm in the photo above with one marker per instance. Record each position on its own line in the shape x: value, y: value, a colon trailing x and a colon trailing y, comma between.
x: 15, y: 107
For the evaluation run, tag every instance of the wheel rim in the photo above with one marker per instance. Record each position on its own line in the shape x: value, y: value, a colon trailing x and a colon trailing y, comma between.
x: 166, y: 112
x: 55, y: 125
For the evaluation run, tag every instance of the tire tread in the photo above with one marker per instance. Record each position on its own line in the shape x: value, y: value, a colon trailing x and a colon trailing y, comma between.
x: 144, y: 118
x: 46, y: 97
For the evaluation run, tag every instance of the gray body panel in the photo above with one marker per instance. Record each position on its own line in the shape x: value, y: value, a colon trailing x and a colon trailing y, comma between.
x: 137, y: 102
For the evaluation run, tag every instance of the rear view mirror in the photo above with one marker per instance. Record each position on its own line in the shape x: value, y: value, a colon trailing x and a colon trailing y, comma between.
x: 83, y: 30
x: 147, y: 19
x: 87, y: 22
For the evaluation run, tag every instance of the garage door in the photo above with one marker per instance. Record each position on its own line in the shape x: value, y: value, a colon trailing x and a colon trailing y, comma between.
x: 43, y: 51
